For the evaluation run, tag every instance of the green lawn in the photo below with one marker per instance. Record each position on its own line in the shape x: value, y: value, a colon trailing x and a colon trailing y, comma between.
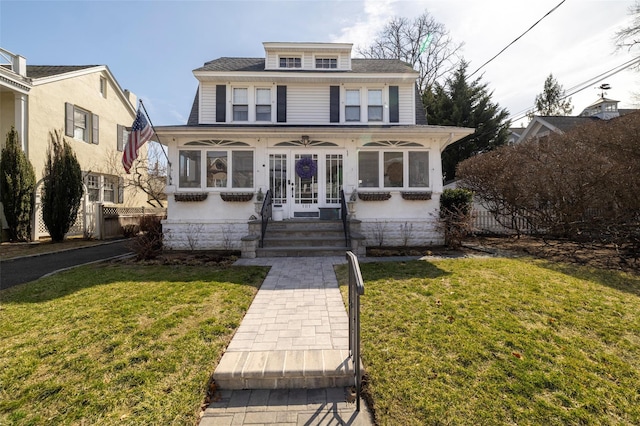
x: 500, y: 342
x: 118, y: 344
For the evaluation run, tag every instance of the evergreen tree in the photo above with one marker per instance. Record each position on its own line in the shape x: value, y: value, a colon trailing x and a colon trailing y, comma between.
x: 459, y: 102
x: 17, y: 184
x: 62, y: 191
x: 551, y: 101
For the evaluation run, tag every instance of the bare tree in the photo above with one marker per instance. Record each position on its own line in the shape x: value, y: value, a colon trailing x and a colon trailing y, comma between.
x: 147, y: 174
x: 628, y: 37
x: 424, y: 43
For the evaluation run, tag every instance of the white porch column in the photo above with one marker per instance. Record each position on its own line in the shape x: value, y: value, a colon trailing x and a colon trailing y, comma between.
x: 20, y: 105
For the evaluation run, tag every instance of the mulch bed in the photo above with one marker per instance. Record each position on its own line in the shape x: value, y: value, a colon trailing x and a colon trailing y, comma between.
x: 590, y: 254
x: 192, y: 258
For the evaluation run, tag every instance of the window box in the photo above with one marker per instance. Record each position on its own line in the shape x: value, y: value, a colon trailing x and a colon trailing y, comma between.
x: 414, y: 195
x: 191, y: 196
x: 236, y: 196
x: 374, y: 196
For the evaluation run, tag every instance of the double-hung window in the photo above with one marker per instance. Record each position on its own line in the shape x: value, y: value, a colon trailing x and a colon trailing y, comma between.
x: 292, y: 62
x: 240, y: 104
x: 375, y: 105
x: 352, y: 105
x: 81, y: 124
x: 263, y: 104
x: 393, y: 169
x: 104, y: 188
x: 327, y: 63
x: 189, y: 169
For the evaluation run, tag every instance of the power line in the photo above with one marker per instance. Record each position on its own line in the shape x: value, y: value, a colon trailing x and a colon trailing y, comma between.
x: 584, y: 85
x: 518, y: 38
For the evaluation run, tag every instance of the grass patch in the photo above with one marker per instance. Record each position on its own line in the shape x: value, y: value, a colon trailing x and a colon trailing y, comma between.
x: 108, y: 344
x: 500, y: 341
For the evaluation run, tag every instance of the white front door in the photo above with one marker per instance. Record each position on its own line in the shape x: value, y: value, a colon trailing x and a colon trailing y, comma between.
x: 302, y: 182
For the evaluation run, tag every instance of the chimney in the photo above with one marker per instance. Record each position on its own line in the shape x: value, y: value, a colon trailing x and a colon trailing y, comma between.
x: 133, y: 99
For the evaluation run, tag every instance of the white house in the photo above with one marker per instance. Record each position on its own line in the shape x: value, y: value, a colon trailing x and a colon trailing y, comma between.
x: 303, y: 123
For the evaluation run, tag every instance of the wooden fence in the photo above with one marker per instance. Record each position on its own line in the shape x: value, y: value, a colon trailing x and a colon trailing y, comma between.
x: 112, y: 220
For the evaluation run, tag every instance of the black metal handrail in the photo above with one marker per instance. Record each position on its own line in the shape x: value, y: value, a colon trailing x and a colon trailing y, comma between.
x: 345, y: 221
x: 265, y: 214
x: 356, y: 289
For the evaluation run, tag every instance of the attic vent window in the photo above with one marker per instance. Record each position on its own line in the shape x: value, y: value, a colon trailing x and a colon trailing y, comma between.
x: 327, y: 63
x: 290, y: 63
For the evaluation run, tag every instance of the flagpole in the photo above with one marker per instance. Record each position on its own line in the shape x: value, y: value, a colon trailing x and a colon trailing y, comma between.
x: 157, y: 137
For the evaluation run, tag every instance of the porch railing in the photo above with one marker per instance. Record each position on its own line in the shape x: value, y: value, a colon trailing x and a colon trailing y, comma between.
x: 265, y: 214
x: 356, y: 289
x: 345, y: 221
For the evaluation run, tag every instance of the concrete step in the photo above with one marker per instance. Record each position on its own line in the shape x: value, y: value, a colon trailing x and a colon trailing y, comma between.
x: 301, y: 369
x: 305, y: 225
x: 323, y: 240
x: 293, y: 251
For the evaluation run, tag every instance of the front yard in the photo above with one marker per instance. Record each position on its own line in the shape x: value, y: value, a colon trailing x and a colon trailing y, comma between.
x: 500, y: 342
x: 118, y: 344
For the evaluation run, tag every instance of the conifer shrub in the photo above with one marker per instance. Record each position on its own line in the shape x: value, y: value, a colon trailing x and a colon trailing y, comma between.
x: 17, y: 185
x: 62, y: 187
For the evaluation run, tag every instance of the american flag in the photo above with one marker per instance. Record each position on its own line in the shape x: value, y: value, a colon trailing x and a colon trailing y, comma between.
x: 140, y: 133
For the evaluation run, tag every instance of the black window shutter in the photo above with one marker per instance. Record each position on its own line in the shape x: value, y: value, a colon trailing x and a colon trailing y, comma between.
x: 95, y: 126
x: 68, y: 116
x: 120, y: 137
x: 394, y: 107
x: 221, y: 103
x: 334, y: 104
x: 281, y: 96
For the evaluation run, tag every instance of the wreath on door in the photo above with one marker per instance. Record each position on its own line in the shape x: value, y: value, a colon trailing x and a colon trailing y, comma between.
x: 306, y: 168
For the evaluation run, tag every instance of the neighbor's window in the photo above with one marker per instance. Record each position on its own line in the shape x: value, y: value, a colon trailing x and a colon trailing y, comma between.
x: 290, y: 63
x: 328, y: 63
x: 81, y: 124
x: 189, y: 169
x: 263, y: 104
x: 93, y: 187
x: 242, y: 172
x: 352, y: 105
x: 393, y: 170
x: 375, y: 105
x: 418, y: 169
x: 217, y: 169
x: 240, y: 104
x: 368, y: 169
x: 109, y: 190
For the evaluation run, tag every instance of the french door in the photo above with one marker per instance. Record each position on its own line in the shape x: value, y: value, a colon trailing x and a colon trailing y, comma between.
x: 302, y: 182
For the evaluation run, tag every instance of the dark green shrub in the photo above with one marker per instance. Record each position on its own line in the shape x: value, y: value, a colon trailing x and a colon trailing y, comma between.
x: 17, y: 184
x: 62, y: 189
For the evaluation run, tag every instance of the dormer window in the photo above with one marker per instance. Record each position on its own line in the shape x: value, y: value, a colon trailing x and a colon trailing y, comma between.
x: 291, y: 62
x: 327, y: 63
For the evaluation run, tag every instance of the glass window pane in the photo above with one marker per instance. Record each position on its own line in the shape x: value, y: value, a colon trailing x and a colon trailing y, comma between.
x: 216, y: 169
x: 240, y: 112
x: 375, y: 97
x: 353, y: 97
x: 375, y: 113
x: 368, y: 169
x: 352, y: 113
x: 263, y: 97
x: 242, y: 173
x: 263, y: 112
x: 189, y: 169
x: 393, y: 169
x: 419, y: 169
x: 240, y: 96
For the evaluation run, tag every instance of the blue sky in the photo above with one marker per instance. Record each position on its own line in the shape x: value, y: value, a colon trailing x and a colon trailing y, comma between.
x: 152, y: 46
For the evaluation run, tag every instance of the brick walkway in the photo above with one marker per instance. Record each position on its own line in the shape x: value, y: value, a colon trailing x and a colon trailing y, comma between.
x: 288, y: 363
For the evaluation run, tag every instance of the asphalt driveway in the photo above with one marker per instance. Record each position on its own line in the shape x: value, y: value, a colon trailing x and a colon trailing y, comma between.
x: 25, y: 269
